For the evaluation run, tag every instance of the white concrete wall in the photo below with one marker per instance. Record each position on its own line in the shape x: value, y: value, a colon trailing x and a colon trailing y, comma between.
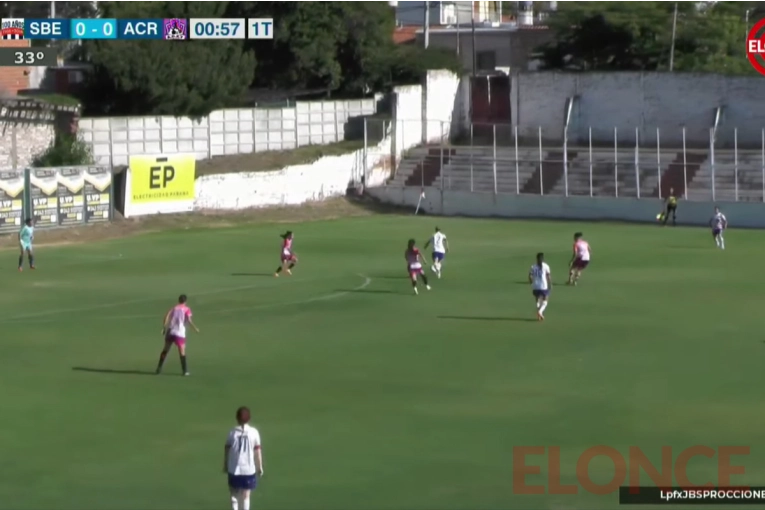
x: 643, y: 100
x: 459, y: 203
x: 232, y: 131
x: 442, y: 103
x: 332, y: 176
x: 328, y: 177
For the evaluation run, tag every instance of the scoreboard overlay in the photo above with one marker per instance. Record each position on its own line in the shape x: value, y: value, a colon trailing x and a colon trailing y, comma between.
x: 168, y: 29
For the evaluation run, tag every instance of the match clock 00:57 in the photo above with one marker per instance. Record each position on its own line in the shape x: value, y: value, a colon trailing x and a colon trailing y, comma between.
x: 211, y: 28
x: 28, y: 57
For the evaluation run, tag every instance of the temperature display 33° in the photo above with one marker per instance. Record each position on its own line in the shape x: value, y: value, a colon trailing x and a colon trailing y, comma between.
x: 28, y: 57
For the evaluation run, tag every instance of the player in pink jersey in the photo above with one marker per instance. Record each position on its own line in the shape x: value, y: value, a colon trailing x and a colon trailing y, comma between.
x: 174, y: 331
x: 580, y: 259
x: 287, y: 257
x: 414, y: 263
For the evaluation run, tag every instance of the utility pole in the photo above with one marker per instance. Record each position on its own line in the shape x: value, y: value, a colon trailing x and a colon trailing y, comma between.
x: 52, y: 9
x: 672, y: 47
x: 426, y: 24
x: 472, y: 30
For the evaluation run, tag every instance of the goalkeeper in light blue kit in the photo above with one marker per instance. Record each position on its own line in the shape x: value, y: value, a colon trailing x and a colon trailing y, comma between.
x: 26, y: 236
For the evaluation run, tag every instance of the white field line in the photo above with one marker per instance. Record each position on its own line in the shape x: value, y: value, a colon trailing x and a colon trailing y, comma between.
x: 49, y: 313
x: 91, y: 308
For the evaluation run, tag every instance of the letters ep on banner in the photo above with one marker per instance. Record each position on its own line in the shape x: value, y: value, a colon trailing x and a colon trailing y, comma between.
x: 160, y: 184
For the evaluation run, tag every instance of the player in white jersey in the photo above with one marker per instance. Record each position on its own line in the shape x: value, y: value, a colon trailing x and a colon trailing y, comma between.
x: 718, y: 223
x: 541, y: 284
x: 242, y: 460
x: 440, y: 249
x: 580, y: 260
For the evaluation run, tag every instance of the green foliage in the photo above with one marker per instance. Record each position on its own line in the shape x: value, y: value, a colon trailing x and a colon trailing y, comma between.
x: 42, y: 9
x: 409, y: 62
x: 343, y: 47
x: 621, y: 36
x: 66, y: 150
x: 157, y: 77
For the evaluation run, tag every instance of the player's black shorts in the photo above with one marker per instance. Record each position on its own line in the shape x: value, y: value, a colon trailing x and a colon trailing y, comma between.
x: 671, y: 208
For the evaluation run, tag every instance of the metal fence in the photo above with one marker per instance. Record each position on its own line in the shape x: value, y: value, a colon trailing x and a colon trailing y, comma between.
x: 495, y: 159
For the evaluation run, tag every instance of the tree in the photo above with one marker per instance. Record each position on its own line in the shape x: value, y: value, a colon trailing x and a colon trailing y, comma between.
x: 42, y: 9
x: 638, y: 36
x: 336, y: 46
x: 341, y: 47
x: 165, y: 78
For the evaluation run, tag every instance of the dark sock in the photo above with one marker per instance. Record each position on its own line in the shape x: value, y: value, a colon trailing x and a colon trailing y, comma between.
x: 424, y: 279
x: 278, y: 269
x: 414, y: 283
x: 21, y: 260
x: 31, y: 261
x: 162, y: 357
x: 292, y: 265
x: 184, y: 366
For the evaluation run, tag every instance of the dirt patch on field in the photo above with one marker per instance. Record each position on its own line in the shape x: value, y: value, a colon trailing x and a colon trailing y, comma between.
x: 122, y: 227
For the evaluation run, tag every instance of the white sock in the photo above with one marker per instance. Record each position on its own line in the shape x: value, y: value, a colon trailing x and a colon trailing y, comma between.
x: 246, y: 503
x: 542, y: 308
x: 538, y: 304
x: 234, y: 503
x: 722, y: 242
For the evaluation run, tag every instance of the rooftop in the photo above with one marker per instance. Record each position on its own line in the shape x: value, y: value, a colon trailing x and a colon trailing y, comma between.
x: 405, y: 34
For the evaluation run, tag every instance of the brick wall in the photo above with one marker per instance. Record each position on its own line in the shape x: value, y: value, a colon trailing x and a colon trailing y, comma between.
x: 13, y: 79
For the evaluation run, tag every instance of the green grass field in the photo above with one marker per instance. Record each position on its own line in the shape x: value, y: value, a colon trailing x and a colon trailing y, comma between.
x: 366, y: 396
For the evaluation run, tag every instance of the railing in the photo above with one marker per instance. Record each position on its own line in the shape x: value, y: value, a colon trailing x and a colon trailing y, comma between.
x: 725, y: 164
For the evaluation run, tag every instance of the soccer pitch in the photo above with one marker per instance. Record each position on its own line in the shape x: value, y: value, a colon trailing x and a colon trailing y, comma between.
x: 366, y: 396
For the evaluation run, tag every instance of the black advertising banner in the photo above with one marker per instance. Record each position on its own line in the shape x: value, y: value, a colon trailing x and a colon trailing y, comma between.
x: 71, y: 200
x: 11, y: 200
x: 98, y: 189
x: 44, y: 195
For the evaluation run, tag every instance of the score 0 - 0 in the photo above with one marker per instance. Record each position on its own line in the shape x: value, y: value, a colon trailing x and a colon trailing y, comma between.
x: 260, y: 28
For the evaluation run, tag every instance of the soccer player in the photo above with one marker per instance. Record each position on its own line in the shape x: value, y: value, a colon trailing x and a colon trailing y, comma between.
x: 541, y: 284
x: 670, y: 207
x: 580, y: 259
x: 174, y: 330
x: 288, y: 258
x: 718, y: 223
x: 414, y: 263
x: 440, y: 249
x: 242, y: 460
x: 26, y: 236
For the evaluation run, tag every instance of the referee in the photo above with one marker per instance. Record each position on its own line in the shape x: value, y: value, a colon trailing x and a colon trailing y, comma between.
x: 670, y: 207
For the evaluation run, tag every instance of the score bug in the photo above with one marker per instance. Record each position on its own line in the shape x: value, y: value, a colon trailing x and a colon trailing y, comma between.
x: 28, y: 57
x: 210, y: 28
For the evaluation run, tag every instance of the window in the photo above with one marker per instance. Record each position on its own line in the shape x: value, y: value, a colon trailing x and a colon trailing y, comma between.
x: 448, y: 14
x: 486, y: 60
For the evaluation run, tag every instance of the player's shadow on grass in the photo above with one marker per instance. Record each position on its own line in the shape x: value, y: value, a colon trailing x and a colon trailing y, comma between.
x: 110, y: 371
x: 252, y: 274
x: 474, y: 318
